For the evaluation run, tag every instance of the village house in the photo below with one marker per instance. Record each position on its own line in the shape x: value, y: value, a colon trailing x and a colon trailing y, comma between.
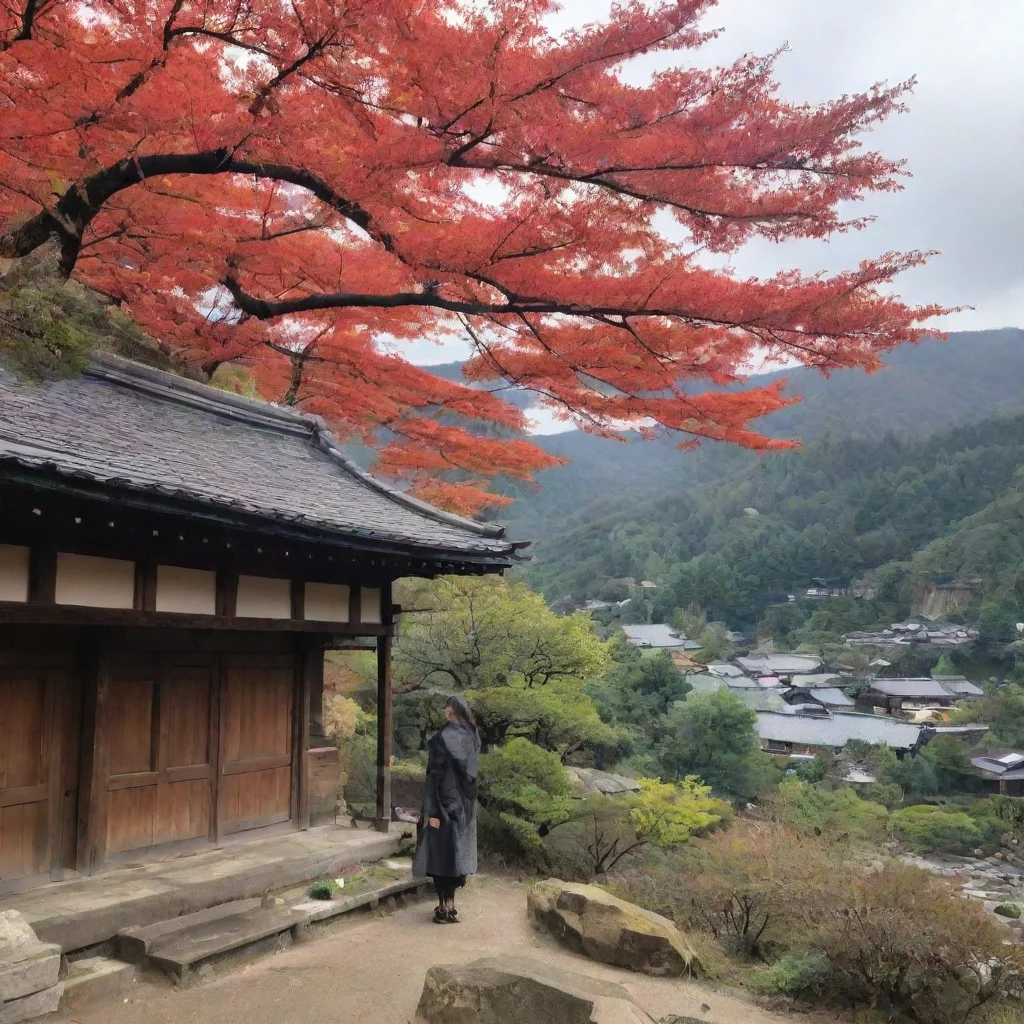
x: 1001, y: 772
x: 659, y: 636
x: 781, y: 666
x: 174, y: 561
x: 905, y: 697
x: 783, y: 733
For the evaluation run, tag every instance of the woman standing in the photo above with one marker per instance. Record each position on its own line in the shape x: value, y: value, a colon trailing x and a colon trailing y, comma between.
x: 446, y: 847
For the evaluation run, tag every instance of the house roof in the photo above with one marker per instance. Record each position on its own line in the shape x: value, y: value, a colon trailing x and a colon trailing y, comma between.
x: 723, y: 668
x: 1000, y: 766
x: 836, y: 730
x: 832, y: 696
x: 815, y: 678
x: 779, y: 664
x: 659, y: 635
x: 958, y: 684
x: 130, y: 427
x: 942, y: 688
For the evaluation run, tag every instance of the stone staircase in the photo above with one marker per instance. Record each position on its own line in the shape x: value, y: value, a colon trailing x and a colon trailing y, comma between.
x: 35, y: 980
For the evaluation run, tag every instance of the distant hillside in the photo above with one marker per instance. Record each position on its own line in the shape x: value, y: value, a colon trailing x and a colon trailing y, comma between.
x: 924, y: 388
x: 841, y: 507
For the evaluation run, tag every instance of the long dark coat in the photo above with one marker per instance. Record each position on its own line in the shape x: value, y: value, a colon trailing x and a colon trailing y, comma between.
x: 450, y: 794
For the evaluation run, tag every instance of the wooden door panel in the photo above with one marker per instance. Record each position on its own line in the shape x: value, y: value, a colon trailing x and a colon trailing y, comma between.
x: 24, y: 851
x: 256, y: 744
x: 131, y: 726
x: 188, y: 719
x: 130, y: 819
x: 29, y: 775
x: 183, y: 811
x: 161, y: 773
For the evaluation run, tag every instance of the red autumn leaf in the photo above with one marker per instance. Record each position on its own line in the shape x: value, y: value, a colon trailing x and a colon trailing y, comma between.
x: 283, y: 185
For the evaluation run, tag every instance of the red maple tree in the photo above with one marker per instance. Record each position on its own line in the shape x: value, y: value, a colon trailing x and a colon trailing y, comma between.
x: 283, y: 184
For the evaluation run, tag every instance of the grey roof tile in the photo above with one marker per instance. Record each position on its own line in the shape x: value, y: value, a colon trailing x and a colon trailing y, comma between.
x: 128, y: 425
x: 836, y: 730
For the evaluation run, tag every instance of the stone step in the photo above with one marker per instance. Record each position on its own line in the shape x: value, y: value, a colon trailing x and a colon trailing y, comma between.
x: 38, y: 1004
x: 95, y: 978
x: 182, y: 946
x: 135, y: 944
x: 324, y: 910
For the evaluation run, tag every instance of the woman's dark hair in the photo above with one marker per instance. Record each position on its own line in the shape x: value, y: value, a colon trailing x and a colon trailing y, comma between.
x: 463, y: 712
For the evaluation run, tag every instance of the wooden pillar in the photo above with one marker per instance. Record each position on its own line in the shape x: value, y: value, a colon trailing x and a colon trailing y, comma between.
x: 384, y: 734
x: 309, y: 660
x: 95, y: 769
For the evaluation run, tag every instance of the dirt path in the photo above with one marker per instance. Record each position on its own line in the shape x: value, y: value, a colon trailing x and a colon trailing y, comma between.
x: 370, y: 971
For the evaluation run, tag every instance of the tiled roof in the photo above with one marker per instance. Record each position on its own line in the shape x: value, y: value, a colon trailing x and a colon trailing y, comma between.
x: 942, y: 687
x: 140, y: 429
x: 836, y: 730
x: 779, y: 664
x: 832, y: 696
x: 657, y: 636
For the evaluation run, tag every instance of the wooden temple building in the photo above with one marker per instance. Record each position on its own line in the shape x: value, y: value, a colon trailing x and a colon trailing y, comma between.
x: 174, y: 562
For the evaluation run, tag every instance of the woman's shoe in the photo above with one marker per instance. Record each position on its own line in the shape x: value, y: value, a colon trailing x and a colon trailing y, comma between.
x: 453, y: 916
x: 440, y: 915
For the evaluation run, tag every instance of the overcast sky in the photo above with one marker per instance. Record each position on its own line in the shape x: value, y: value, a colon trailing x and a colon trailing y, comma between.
x: 963, y: 137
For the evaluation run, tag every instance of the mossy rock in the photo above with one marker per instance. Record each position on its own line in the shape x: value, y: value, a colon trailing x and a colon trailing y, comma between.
x: 593, y: 922
x: 1008, y: 910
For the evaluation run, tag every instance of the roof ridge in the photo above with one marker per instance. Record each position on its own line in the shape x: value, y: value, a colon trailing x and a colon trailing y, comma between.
x: 195, y: 393
x: 135, y: 375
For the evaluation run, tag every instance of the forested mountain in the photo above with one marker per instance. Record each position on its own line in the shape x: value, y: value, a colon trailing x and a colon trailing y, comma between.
x: 925, y: 387
x: 834, y: 510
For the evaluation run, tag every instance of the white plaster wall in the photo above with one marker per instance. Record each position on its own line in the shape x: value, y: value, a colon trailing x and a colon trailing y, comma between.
x: 192, y: 591
x: 260, y: 597
x: 95, y: 582
x: 326, y: 602
x: 369, y: 604
x: 13, y: 573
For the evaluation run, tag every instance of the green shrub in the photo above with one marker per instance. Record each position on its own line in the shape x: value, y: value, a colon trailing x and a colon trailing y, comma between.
x: 1008, y: 910
x: 322, y: 891
x: 805, y: 974
x: 835, y: 814
x: 929, y: 829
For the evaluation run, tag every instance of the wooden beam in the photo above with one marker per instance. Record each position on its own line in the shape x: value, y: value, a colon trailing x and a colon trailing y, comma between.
x: 95, y: 771
x: 73, y: 615
x: 384, y: 734
x: 354, y: 605
x: 310, y: 661
x: 42, y: 575
x: 145, y: 587
x: 298, y: 599
x: 227, y: 594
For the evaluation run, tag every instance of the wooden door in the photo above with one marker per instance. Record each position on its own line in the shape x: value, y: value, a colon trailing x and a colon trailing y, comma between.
x: 30, y: 776
x: 160, y: 773
x: 256, y: 743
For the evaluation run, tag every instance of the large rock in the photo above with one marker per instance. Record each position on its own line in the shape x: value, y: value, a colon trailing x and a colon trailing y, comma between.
x: 26, y: 964
x: 39, y: 1004
x: 595, y: 923
x: 509, y: 990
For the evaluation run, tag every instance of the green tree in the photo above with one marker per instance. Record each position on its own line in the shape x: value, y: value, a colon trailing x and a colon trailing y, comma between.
x: 944, y: 666
x: 1003, y: 710
x: 607, y: 829
x: 713, y: 735
x: 522, y: 667
x: 639, y: 687
x: 467, y: 633
x: 951, y: 764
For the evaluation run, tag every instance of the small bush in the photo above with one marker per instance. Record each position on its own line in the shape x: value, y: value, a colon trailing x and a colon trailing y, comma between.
x: 322, y: 891
x: 837, y: 814
x: 1008, y: 910
x: 805, y: 974
x: 929, y: 829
